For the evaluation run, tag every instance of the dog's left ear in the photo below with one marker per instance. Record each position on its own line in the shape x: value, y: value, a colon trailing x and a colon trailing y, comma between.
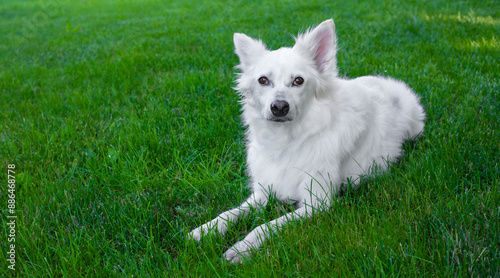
x: 320, y: 44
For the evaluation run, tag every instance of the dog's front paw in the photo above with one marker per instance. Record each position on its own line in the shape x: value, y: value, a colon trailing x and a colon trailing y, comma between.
x: 195, y: 234
x: 239, y: 250
x: 216, y: 226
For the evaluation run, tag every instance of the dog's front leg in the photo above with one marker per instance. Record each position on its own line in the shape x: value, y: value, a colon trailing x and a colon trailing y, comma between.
x: 221, y: 223
x: 258, y: 235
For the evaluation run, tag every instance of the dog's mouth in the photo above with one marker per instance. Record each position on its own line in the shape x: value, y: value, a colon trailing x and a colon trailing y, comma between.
x: 279, y: 119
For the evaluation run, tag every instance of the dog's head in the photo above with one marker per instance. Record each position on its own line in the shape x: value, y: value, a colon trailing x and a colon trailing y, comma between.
x: 281, y: 83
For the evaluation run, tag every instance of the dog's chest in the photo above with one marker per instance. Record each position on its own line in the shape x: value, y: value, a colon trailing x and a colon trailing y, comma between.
x: 285, y: 169
x: 274, y: 172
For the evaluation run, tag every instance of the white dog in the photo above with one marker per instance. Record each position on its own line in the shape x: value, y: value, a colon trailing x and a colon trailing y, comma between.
x: 310, y: 131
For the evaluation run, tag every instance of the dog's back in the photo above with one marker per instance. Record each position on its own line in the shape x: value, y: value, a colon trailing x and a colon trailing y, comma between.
x: 390, y: 114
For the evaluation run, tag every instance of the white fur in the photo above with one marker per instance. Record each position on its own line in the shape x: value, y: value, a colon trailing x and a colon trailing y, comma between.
x: 335, y: 131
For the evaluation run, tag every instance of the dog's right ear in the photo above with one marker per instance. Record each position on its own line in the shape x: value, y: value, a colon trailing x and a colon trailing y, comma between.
x: 247, y: 49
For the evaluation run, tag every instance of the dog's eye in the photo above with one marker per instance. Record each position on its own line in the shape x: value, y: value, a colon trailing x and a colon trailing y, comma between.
x: 298, y: 81
x: 263, y: 80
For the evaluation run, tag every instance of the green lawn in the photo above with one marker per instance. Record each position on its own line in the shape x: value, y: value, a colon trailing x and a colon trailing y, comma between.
x: 125, y: 134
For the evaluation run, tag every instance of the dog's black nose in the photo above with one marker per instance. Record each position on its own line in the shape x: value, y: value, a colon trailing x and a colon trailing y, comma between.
x: 280, y: 108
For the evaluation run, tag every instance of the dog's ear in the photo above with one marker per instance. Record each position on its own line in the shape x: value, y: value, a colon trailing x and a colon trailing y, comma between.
x: 247, y: 49
x: 320, y: 44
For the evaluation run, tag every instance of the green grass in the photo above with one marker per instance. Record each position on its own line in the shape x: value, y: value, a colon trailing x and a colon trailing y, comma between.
x: 125, y: 133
